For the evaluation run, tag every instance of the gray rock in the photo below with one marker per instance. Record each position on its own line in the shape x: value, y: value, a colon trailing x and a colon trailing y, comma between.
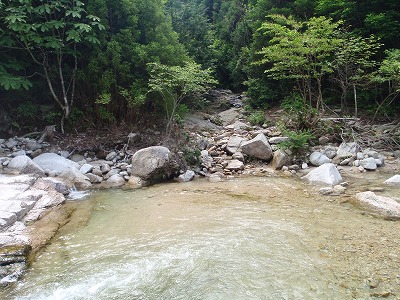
x: 97, y: 171
x: 25, y: 165
x: 372, y: 153
x: 19, y: 153
x: 33, y: 145
x: 64, y: 154
x: 65, y: 168
x: 368, y: 163
x: 323, y: 140
x: 215, y: 178
x: 325, y: 174
x: 235, y: 165
x: 385, y: 207
x: 11, y: 143
x: 135, y: 182
x: 394, y: 180
x: 318, y: 159
x: 346, y: 150
x: 234, y: 144
x: 111, y: 155
x: 50, y: 183
x: 115, y: 180
x: 396, y: 153
x: 105, y: 168
x: 278, y: 139
x: 153, y: 164
x: 304, y: 166
x: 280, y: 159
x: 347, y: 161
x: 380, y: 161
x: 206, y: 159
x: 238, y: 156
x: 330, y: 152
x: 77, y: 157
x: 360, y: 156
x: 111, y: 173
x: 94, y: 178
x: 86, y: 168
x: 258, y: 148
x: 187, y: 176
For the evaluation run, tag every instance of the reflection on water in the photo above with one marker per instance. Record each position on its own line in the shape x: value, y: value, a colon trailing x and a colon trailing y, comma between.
x: 256, y: 238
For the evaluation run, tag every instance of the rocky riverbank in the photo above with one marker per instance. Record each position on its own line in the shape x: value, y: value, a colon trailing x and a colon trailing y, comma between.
x: 37, y: 178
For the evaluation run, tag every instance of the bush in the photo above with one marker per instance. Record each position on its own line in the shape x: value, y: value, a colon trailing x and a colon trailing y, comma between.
x: 256, y: 118
x: 298, y: 141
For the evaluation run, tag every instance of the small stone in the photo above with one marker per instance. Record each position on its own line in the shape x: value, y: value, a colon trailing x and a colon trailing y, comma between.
x: 323, y: 140
x: 361, y: 169
x: 235, y: 165
x: 326, y: 190
x: 304, y: 166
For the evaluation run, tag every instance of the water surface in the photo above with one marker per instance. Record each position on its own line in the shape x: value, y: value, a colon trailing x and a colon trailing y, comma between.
x: 249, y: 238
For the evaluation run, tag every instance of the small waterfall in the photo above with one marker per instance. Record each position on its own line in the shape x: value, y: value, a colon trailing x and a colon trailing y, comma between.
x: 74, y: 194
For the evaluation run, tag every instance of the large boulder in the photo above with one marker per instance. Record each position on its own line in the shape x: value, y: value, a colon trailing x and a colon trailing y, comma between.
x: 25, y: 165
x: 325, y: 174
x: 258, y: 147
x: 153, y: 164
x: 318, y: 159
x: 64, y: 168
x: 385, y: 207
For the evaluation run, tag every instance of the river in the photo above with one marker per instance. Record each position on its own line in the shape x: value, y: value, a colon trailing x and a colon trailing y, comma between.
x: 247, y: 238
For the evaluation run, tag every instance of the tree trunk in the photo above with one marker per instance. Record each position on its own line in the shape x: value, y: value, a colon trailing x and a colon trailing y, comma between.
x: 355, y: 101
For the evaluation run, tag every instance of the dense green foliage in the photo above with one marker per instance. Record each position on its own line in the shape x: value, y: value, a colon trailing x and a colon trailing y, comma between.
x: 103, y: 61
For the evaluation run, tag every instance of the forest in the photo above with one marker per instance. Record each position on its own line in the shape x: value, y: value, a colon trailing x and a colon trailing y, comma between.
x: 96, y: 63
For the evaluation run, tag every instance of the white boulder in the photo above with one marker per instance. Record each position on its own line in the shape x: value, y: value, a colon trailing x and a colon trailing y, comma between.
x: 325, y: 174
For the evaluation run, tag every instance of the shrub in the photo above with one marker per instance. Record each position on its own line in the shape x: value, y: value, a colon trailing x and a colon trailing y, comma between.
x: 256, y: 118
x: 298, y: 141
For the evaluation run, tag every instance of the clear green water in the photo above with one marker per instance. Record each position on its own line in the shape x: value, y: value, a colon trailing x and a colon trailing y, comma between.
x: 251, y: 238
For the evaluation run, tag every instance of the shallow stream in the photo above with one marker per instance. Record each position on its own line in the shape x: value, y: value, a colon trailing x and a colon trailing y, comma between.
x: 248, y: 238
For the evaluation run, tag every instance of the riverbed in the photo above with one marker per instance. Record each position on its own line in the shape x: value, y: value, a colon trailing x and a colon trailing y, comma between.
x: 247, y: 238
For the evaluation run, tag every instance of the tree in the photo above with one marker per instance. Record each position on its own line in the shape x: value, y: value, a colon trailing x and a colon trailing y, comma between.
x: 136, y: 33
x: 302, y: 51
x: 175, y: 83
x: 353, y: 64
x: 50, y: 32
x: 389, y: 73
